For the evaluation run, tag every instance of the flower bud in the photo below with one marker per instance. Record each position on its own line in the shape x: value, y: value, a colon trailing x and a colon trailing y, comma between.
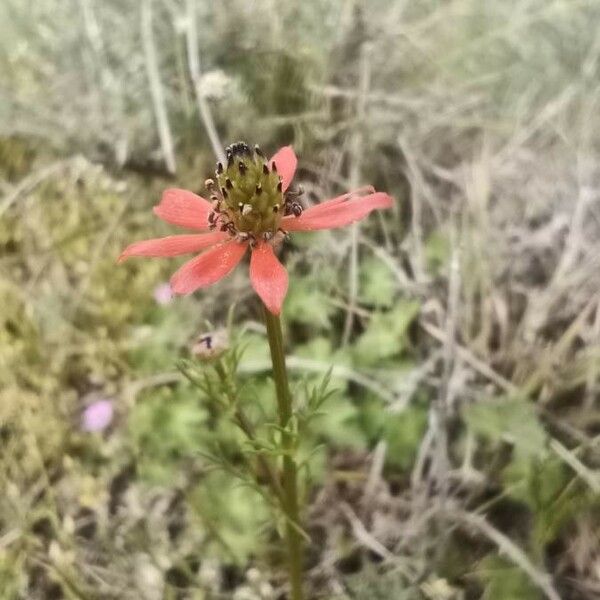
x: 211, y: 346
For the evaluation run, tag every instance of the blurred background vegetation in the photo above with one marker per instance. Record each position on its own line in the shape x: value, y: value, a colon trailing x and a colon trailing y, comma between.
x: 461, y: 449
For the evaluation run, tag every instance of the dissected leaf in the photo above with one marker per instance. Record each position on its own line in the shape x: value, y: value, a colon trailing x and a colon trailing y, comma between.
x: 386, y: 333
x: 504, y: 581
x: 403, y: 433
x: 510, y: 419
x: 377, y: 285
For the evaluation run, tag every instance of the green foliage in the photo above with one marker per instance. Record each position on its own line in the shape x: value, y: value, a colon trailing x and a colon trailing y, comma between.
x: 509, y: 419
x: 166, y: 426
x: 386, y: 334
x: 234, y: 515
x: 339, y: 424
x: 371, y: 584
x: 503, y: 581
x: 533, y: 476
x: 403, y: 433
x: 437, y: 251
x: 307, y: 303
x: 377, y: 285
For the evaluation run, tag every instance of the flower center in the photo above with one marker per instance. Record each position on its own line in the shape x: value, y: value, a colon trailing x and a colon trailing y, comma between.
x: 247, y: 195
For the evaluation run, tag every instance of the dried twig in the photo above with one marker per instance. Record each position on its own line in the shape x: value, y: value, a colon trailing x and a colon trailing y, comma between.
x: 156, y: 89
x: 354, y: 180
x: 195, y: 74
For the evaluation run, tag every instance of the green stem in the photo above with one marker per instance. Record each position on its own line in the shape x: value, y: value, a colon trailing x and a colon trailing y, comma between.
x: 290, y: 485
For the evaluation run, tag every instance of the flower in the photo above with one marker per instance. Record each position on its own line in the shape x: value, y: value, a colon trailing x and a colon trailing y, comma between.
x: 251, y: 207
x: 97, y: 416
x: 163, y: 294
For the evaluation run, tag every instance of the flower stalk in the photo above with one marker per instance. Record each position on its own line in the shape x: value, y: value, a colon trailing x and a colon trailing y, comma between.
x: 290, y: 504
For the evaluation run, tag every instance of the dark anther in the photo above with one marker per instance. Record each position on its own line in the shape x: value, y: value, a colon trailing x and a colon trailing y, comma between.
x: 228, y: 184
x: 239, y: 148
x: 224, y: 192
x: 296, y: 209
x: 276, y: 208
x: 274, y: 167
x: 224, y: 227
x: 259, y: 189
x: 211, y: 217
x: 219, y: 168
x: 265, y: 169
x: 214, y: 197
x: 242, y: 168
x: 280, y: 186
x: 229, y: 159
x: 258, y: 151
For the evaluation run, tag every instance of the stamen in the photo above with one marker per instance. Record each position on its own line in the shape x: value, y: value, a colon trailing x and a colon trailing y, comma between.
x: 259, y: 189
x: 229, y: 184
x: 242, y: 168
x: 274, y: 167
x: 265, y: 169
x: 220, y: 168
x: 258, y: 151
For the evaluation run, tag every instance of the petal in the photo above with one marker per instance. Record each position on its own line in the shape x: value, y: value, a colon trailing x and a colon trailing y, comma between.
x: 173, y: 245
x: 286, y: 162
x: 327, y: 204
x: 183, y: 208
x: 336, y: 214
x: 208, y: 267
x: 269, y: 277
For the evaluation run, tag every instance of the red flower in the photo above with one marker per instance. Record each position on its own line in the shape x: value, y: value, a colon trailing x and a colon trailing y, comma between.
x: 251, y: 207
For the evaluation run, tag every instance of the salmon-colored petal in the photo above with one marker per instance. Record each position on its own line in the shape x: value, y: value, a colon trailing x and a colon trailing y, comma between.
x: 328, y: 204
x: 336, y: 214
x: 183, y: 208
x: 285, y: 161
x: 173, y: 245
x: 208, y: 267
x: 269, y: 277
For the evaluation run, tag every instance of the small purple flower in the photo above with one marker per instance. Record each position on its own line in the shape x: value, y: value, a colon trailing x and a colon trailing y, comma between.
x: 163, y: 294
x: 97, y: 416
